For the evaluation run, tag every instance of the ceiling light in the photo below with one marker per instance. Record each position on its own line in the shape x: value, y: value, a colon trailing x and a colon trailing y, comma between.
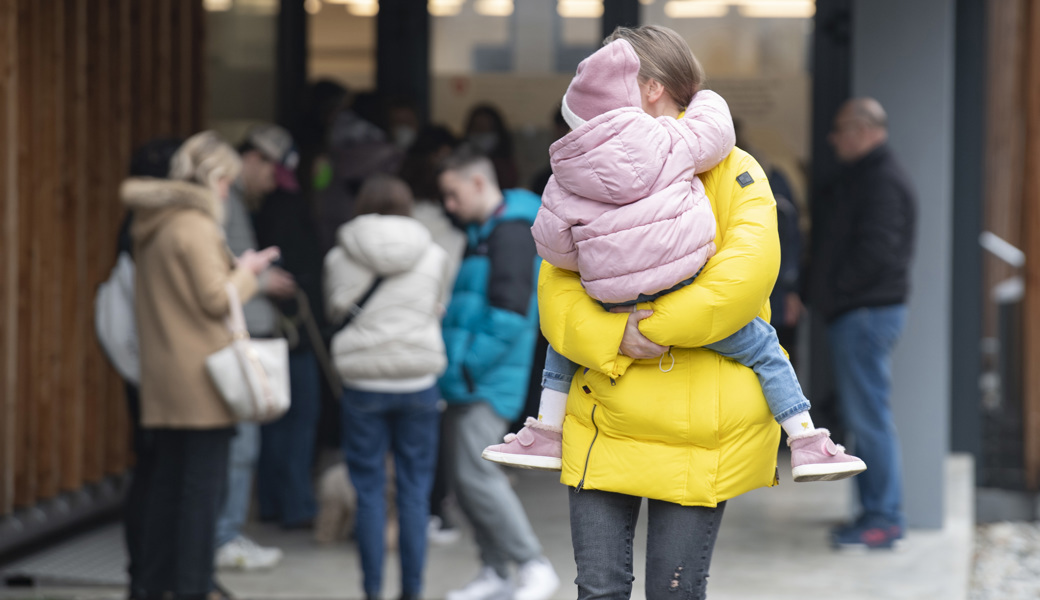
x: 778, y: 9
x: 580, y: 9
x: 363, y: 8
x: 444, y: 8
x: 312, y: 7
x: 646, y: 2
x: 494, y: 8
x: 217, y: 5
x: 689, y: 9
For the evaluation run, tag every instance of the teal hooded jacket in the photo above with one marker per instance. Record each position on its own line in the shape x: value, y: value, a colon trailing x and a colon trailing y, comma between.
x: 492, y: 320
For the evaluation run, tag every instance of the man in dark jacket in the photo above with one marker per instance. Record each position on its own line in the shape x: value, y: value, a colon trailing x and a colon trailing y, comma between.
x: 860, y: 279
x: 489, y: 334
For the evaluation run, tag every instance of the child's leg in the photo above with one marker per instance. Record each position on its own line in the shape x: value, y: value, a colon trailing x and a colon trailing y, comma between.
x: 814, y: 457
x: 556, y: 382
x: 756, y: 346
x: 539, y: 443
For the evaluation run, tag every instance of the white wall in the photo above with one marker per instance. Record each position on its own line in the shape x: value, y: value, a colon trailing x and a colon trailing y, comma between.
x: 903, y: 56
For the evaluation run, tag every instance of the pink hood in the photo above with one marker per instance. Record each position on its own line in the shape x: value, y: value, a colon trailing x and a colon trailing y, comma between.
x: 624, y: 207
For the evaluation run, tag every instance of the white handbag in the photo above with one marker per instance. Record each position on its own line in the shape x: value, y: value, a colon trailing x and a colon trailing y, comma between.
x: 251, y: 375
x: 114, y: 320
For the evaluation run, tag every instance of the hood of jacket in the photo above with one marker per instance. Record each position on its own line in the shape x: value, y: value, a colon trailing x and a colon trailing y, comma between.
x: 605, y: 81
x: 385, y: 244
x: 153, y: 200
x: 616, y: 157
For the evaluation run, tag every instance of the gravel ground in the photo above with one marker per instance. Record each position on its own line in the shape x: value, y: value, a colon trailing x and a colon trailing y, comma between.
x: 1007, y: 562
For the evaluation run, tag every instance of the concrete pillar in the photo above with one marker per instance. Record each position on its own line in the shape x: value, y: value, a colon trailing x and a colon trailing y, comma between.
x: 902, y: 54
x: 534, y: 33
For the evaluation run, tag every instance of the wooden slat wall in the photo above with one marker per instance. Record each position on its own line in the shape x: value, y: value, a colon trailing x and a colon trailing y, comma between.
x: 1004, y: 143
x: 1013, y: 186
x: 82, y: 82
x: 1030, y: 75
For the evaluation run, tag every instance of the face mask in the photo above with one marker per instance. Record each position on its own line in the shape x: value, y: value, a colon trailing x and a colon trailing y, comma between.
x: 404, y: 136
x: 485, y: 142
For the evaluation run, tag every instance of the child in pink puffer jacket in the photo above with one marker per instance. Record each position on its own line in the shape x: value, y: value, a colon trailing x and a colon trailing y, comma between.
x: 626, y: 210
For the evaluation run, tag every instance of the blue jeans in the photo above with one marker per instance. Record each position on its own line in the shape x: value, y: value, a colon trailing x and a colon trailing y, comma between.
x: 245, y: 447
x: 285, y: 491
x: 861, y: 352
x: 680, y: 542
x: 754, y: 346
x: 407, y: 425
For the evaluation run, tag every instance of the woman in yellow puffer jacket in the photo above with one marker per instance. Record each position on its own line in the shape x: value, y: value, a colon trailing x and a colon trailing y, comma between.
x: 687, y: 436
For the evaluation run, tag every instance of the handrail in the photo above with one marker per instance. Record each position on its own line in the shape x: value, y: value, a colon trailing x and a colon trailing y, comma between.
x: 1002, y: 249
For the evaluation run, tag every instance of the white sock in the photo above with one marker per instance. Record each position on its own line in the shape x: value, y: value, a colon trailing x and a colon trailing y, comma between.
x: 552, y: 407
x: 800, y: 423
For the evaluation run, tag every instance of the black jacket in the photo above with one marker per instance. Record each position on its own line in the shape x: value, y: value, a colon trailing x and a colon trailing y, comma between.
x: 866, y: 239
x: 284, y: 220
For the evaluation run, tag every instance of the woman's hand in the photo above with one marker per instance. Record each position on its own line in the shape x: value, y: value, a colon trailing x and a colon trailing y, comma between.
x: 633, y: 342
x: 257, y: 261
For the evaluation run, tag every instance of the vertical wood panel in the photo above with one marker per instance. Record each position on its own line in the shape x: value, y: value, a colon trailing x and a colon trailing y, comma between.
x: 1030, y: 75
x: 198, y: 67
x: 146, y: 86
x: 118, y: 442
x: 9, y: 260
x: 164, y: 64
x: 25, y: 433
x: 73, y: 310
x: 1005, y: 139
x: 186, y: 63
x: 100, y: 108
x: 48, y: 244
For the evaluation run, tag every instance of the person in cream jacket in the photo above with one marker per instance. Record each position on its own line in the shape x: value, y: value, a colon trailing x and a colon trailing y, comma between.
x: 389, y: 357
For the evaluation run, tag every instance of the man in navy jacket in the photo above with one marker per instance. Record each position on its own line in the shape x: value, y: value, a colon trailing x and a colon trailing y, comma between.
x: 860, y: 281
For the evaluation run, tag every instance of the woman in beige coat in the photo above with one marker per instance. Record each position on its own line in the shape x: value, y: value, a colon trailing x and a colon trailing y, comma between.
x: 183, y: 266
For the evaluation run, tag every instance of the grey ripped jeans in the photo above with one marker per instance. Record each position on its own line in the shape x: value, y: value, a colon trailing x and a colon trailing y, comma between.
x: 680, y: 542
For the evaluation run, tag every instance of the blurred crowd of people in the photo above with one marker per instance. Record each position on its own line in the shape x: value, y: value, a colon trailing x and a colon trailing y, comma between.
x: 342, y: 217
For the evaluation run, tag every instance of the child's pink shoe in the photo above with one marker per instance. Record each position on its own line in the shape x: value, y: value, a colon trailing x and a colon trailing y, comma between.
x: 814, y: 457
x: 535, y: 446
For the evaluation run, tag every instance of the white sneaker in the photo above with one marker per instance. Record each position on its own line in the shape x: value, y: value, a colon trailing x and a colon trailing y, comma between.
x: 486, y: 586
x: 244, y: 554
x: 439, y: 535
x: 536, y: 580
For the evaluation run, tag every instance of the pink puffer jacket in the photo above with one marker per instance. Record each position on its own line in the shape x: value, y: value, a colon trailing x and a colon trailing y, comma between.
x: 624, y: 207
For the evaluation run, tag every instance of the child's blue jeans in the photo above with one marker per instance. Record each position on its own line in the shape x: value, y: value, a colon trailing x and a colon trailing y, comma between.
x: 755, y: 346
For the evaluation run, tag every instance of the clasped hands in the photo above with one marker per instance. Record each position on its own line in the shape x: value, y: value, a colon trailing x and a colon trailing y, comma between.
x: 633, y: 342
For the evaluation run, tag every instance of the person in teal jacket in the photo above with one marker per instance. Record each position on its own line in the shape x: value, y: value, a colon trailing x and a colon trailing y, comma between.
x: 489, y: 331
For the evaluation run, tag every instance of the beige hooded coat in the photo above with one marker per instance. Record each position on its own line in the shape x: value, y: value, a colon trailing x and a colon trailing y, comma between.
x: 182, y: 267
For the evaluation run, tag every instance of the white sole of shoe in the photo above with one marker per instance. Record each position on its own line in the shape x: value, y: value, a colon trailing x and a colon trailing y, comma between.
x: 827, y: 472
x: 539, y: 463
x: 898, y: 546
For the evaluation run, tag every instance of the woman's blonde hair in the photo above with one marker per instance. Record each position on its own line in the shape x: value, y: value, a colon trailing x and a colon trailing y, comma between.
x: 205, y: 158
x: 665, y: 57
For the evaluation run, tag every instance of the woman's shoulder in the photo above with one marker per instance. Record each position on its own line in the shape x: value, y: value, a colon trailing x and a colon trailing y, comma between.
x: 738, y: 171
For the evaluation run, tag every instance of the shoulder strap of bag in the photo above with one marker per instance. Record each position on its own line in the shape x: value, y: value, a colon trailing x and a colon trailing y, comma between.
x: 236, y: 320
x: 356, y: 309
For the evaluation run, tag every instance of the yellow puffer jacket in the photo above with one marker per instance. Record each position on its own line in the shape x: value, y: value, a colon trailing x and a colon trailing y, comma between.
x: 700, y: 433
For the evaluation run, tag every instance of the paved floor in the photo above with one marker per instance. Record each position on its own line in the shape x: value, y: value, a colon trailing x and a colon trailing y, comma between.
x: 772, y: 545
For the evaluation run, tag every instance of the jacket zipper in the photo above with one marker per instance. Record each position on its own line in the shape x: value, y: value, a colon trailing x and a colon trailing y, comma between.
x: 581, y: 484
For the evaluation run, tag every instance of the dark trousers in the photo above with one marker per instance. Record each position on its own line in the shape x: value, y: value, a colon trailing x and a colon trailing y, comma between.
x: 680, y: 542
x: 184, y: 495
x: 136, y: 495
x: 285, y: 488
